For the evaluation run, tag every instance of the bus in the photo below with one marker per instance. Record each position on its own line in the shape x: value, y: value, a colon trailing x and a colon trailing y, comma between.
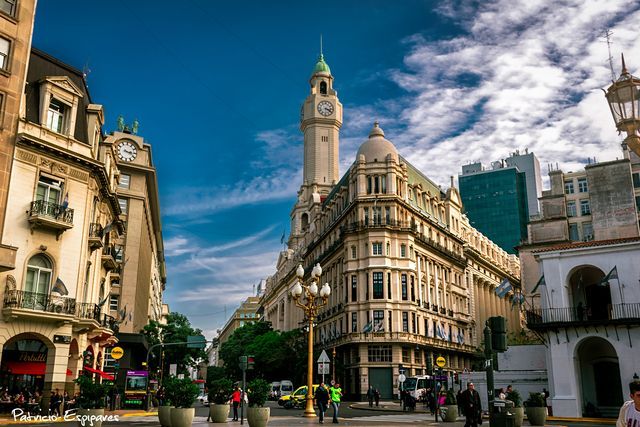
x: 135, y: 389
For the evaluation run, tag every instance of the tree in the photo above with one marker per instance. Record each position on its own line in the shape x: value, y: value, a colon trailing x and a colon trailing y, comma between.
x: 176, y: 330
x: 214, y: 373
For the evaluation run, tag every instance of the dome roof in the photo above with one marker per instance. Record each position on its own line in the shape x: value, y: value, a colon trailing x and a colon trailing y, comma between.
x: 377, y: 147
x: 321, y: 66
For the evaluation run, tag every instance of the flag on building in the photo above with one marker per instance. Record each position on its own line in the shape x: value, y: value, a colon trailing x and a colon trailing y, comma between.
x: 503, y: 288
x: 59, y: 287
x: 282, y: 238
x: 379, y: 327
x: 541, y: 282
x: 368, y: 327
x: 65, y: 202
x: 613, y: 274
x: 517, y: 299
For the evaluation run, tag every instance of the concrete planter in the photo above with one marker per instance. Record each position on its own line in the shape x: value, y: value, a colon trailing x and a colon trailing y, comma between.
x: 164, y: 415
x: 451, y: 413
x: 219, y: 413
x: 258, y: 417
x: 89, y: 413
x: 519, y: 413
x: 182, y: 417
x: 536, y: 415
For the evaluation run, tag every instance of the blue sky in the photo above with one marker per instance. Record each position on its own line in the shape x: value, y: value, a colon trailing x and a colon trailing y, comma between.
x: 217, y: 88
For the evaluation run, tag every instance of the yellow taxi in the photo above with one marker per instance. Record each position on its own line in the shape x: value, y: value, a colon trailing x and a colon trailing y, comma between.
x: 297, y: 398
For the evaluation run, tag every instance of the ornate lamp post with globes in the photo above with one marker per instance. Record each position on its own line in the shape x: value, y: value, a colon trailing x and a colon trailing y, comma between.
x: 624, y: 101
x: 310, y: 299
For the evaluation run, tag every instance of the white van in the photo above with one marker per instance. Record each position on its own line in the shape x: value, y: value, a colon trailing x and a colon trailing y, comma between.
x: 286, y: 388
x: 417, y: 385
x: 274, y: 394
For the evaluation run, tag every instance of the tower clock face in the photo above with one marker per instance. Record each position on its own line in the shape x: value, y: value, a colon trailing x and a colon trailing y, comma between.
x: 325, y: 108
x: 127, y: 151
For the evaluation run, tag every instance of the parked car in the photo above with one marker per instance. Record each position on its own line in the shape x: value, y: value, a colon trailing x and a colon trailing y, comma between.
x: 297, y: 398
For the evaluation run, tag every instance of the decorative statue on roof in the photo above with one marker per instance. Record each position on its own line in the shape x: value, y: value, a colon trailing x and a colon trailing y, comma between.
x: 134, y: 127
x: 120, y: 123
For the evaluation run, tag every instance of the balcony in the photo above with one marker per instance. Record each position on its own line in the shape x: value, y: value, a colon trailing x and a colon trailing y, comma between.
x: 434, y: 308
x: 109, y: 322
x: 450, y: 313
x: 399, y: 337
x: 443, y: 310
x: 612, y: 314
x: 43, y: 214
x: 109, y: 257
x: 18, y: 303
x: 95, y: 236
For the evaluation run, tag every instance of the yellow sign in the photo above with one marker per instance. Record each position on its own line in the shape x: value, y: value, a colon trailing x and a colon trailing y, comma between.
x: 118, y: 352
x: 440, y: 361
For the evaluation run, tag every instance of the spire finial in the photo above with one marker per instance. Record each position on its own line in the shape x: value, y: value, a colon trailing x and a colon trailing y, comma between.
x: 624, y: 66
x: 321, y: 46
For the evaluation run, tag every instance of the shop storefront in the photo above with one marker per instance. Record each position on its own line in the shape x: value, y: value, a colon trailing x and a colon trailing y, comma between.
x: 23, y: 366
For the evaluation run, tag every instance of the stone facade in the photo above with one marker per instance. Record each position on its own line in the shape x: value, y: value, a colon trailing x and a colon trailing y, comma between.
x: 410, y: 278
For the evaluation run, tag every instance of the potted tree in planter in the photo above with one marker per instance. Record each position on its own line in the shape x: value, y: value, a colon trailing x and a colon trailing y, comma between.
x: 219, y: 393
x: 451, y: 407
x: 182, y: 393
x: 258, y: 393
x: 518, y: 410
x: 536, y: 409
x: 91, y: 399
x: 164, y: 404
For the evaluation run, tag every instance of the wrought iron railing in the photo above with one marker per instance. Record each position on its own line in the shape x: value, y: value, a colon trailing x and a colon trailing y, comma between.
x: 95, y: 230
x: 110, y: 322
x: 15, y: 298
x: 110, y: 250
x: 612, y: 313
x: 88, y: 310
x: 51, y: 210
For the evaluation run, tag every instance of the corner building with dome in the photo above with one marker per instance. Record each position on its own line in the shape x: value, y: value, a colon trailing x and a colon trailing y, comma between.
x: 410, y: 279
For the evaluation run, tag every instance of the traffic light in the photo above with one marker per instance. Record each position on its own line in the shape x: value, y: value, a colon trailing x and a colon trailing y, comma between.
x: 250, y: 362
x: 498, y: 333
x: 429, y: 363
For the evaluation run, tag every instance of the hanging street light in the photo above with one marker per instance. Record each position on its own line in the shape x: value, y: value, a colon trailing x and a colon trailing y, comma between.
x: 624, y: 102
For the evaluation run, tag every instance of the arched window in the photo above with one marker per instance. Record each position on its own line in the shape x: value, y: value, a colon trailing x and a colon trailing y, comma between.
x: 323, y: 88
x: 38, y: 275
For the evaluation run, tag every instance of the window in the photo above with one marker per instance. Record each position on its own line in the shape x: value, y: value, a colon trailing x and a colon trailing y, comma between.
x: 108, y: 360
x: 354, y: 322
x: 124, y: 205
x: 585, y: 208
x: 378, y: 286
x: 417, y: 357
x: 49, y: 190
x: 403, y: 251
x: 39, y: 272
x: 405, y: 321
x: 377, y: 215
x: 379, y: 353
x: 369, y: 179
x: 583, y: 187
x: 389, y: 285
x: 377, y: 248
x: 413, y: 289
x: 387, y: 214
x: 403, y: 283
x: 587, y: 231
x: 638, y: 203
x: 353, y: 252
x: 119, y: 253
x: 354, y: 288
x: 389, y: 320
x: 426, y: 327
x: 636, y: 180
x: 414, y: 326
x: 124, y: 181
x: 571, y: 209
x: 5, y: 46
x: 8, y: 7
x: 378, y: 320
x: 56, y: 115
x: 323, y: 88
x: 406, y: 355
x: 113, y: 302
x: 366, y: 216
x: 568, y: 187
x: 573, y: 232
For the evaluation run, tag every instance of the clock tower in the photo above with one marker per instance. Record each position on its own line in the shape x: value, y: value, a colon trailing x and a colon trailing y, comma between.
x: 320, y: 122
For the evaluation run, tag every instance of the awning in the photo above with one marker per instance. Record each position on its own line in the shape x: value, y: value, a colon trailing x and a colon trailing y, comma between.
x: 99, y: 372
x: 26, y: 368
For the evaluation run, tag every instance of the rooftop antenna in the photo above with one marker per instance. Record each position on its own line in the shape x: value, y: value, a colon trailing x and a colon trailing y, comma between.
x: 321, y: 46
x: 607, y: 35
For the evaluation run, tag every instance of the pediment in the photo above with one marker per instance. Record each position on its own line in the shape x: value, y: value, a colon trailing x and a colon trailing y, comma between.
x: 64, y: 83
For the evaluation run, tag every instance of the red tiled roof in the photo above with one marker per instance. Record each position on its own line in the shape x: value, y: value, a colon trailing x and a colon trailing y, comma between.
x: 593, y: 243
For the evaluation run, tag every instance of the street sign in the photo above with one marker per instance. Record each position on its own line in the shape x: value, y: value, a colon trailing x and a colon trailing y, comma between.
x: 324, y: 358
x: 442, y: 378
x: 323, y: 369
x: 402, y: 378
x: 196, y: 341
x: 441, y: 361
x: 117, y: 352
x: 242, y: 362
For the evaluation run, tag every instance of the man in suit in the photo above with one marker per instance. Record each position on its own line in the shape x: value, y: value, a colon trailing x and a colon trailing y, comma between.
x: 471, y: 406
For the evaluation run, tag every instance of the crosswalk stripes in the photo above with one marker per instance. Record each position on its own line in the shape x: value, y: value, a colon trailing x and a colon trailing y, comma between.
x: 400, y: 418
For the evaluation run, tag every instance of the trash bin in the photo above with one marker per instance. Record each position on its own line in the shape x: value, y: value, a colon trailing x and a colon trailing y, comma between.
x: 501, y: 413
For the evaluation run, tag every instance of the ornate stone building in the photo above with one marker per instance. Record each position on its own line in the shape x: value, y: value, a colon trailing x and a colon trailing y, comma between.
x: 62, y: 216
x: 410, y: 278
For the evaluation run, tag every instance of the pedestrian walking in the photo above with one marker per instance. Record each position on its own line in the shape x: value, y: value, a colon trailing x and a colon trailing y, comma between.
x: 630, y: 411
x: 336, y: 394
x: 376, y: 396
x: 322, y: 400
x: 235, y: 399
x: 370, y: 396
x: 472, y: 406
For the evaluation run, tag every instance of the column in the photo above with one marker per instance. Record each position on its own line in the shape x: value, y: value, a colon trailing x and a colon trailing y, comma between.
x: 429, y: 268
x: 419, y: 266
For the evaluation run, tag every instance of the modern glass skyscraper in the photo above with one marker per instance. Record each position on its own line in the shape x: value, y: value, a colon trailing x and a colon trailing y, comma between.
x: 495, y: 202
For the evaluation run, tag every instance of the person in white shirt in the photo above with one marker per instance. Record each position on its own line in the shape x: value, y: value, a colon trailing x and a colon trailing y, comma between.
x: 630, y: 411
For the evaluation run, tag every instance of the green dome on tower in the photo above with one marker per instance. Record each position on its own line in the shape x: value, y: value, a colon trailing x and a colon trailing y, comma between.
x: 321, y: 66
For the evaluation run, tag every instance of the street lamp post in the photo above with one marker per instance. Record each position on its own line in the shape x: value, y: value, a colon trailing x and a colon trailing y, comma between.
x: 310, y: 299
x: 624, y: 102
